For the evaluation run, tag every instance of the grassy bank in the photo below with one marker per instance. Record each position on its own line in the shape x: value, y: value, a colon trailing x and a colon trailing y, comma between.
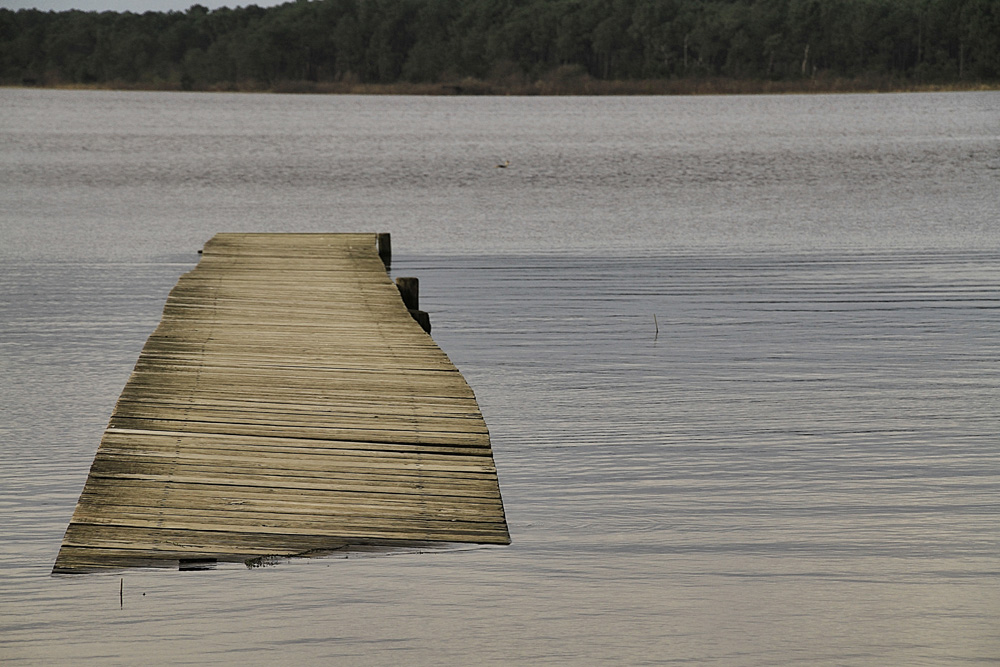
x: 573, y: 84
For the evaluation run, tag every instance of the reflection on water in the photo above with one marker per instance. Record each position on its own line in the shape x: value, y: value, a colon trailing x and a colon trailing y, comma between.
x: 800, y: 466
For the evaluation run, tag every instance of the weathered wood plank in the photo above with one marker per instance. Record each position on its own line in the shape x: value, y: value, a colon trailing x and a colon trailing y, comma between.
x: 287, y: 403
x: 347, y: 432
x: 193, y: 494
x: 276, y: 461
x: 247, y: 542
x: 282, y: 458
x: 186, y: 439
x: 347, y: 404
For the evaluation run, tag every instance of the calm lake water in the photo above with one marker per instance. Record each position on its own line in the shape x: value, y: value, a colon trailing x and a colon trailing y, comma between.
x: 796, y: 462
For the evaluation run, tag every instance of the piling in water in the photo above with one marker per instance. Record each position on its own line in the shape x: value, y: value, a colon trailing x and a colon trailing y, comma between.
x: 384, y: 244
x: 409, y: 290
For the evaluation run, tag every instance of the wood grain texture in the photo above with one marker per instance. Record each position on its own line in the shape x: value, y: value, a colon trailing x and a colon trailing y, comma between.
x: 287, y: 404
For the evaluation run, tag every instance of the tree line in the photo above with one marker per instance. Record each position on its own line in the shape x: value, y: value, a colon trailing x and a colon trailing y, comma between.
x: 392, y: 41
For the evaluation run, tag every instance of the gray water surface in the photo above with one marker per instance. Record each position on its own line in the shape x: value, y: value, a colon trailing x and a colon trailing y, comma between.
x: 796, y: 462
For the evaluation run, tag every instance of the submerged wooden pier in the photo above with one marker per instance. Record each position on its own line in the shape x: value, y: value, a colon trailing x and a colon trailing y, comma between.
x: 287, y: 404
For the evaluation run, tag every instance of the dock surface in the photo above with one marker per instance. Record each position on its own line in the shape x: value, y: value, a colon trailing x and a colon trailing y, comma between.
x: 287, y: 404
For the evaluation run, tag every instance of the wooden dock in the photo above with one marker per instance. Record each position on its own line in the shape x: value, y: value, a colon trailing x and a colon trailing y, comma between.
x: 287, y: 404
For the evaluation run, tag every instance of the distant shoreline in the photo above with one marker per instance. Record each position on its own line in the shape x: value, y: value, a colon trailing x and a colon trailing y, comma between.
x: 575, y: 86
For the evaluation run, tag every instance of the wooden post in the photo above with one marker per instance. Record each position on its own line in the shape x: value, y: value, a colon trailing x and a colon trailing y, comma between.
x: 384, y: 245
x: 409, y: 289
x: 196, y: 564
x: 423, y: 319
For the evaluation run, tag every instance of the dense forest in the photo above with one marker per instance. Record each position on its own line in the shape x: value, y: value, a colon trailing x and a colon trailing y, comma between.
x: 514, y: 41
